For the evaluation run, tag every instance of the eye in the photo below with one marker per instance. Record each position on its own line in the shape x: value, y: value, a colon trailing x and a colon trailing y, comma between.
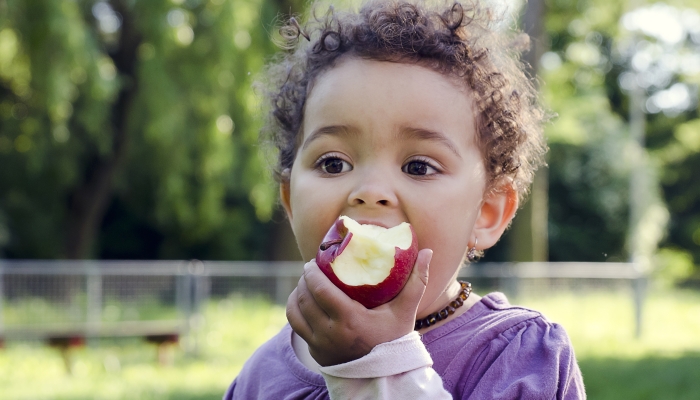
x: 333, y: 165
x: 419, y: 167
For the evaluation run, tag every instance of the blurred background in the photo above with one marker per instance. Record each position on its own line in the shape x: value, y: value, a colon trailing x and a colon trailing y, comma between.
x: 129, y: 131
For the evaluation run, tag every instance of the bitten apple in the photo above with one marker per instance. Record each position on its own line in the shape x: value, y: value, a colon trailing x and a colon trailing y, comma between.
x: 370, y: 263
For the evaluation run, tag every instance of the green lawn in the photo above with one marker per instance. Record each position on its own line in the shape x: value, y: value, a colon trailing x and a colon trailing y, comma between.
x: 663, y: 364
x: 231, y: 330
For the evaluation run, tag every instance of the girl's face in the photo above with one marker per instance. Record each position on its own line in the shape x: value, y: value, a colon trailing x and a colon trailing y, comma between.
x: 385, y: 143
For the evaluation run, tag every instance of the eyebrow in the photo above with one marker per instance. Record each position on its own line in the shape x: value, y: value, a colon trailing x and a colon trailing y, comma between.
x: 333, y: 130
x: 404, y: 133
x: 427, y: 134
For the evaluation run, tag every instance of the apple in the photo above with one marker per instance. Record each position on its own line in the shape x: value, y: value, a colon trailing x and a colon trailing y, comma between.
x: 370, y: 263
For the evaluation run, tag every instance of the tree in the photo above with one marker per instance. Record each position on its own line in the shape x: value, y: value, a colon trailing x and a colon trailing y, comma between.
x: 584, y: 75
x: 659, y: 69
x: 142, y: 112
x: 586, y: 180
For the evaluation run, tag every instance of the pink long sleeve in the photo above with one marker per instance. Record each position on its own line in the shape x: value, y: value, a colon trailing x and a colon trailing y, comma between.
x: 401, y: 369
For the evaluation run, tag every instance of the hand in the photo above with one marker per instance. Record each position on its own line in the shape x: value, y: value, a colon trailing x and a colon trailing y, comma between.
x: 339, y: 329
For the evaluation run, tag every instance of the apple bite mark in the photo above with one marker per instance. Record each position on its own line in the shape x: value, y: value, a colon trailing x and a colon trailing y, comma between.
x: 370, y: 263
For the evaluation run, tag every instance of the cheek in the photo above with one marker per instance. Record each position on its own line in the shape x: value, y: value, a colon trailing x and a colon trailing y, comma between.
x: 448, y: 237
x: 449, y: 222
x: 306, y: 240
x: 307, y: 227
x: 313, y: 212
x: 446, y: 229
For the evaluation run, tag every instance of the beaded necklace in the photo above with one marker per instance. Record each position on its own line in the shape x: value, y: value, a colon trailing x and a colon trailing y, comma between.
x: 433, y: 318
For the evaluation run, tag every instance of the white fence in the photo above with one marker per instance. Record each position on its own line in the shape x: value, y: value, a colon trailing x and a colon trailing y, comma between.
x: 56, y: 300
x: 513, y: 278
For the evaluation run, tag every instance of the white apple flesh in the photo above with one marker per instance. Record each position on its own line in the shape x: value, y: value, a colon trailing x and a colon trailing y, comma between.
x: 369, y: 263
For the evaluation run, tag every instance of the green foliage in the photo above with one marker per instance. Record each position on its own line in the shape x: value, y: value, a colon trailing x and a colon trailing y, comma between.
x: 679, y: 155
x: 588, y: 169
x: 591, y: 159
x: 673, y: 266
x: 162, y: 101
x: 175, y: 117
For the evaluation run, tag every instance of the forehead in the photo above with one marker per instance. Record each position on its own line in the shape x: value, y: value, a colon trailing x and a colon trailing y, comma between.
x: 377, y: 94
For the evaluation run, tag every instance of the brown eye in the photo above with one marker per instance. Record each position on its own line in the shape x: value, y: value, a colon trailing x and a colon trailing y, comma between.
x: 335, y: 166
x: 416, y: 168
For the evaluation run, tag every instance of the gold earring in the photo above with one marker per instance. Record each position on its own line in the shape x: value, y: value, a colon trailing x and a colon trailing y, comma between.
x: 471, y: 254
x: 285, y: 174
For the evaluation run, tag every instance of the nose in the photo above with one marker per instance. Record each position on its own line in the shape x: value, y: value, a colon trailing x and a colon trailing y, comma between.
x: 372, y: 189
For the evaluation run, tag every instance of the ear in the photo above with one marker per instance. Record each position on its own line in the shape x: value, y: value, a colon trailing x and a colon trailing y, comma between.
x: 285, y: 196
x: 497, y: 211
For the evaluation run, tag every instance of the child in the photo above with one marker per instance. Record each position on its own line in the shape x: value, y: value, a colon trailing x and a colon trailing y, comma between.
x: 419, y: 113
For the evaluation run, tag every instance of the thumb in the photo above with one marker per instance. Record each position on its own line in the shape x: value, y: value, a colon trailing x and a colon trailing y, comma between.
x: 409, y: 297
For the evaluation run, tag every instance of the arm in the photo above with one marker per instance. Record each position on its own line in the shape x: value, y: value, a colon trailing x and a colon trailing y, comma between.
x: 339, y: 329
x: 365, y: 353
x: 400, y: 369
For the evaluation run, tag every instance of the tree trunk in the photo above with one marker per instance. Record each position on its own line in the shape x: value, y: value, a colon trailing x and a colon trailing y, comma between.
x: 529, y: 238
x: 89, y: 201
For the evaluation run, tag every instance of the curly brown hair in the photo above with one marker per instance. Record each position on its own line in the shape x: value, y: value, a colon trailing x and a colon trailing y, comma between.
x: 457, y: 40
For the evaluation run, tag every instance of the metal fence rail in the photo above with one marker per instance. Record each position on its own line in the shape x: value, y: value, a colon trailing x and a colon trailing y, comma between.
x: 49, y: 299
x: 515, y: 278
x: 569, y: 270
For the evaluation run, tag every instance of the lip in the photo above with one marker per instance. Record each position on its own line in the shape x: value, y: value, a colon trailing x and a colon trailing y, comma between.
x: 377, y: 223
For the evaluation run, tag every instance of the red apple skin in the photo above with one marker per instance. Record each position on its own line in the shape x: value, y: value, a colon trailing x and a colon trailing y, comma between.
x: 370, y: 296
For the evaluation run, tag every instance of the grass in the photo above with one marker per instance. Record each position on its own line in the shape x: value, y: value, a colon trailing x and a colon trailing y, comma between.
x: 43, y: 311
x: 663, y: 364
x: 128, y: 369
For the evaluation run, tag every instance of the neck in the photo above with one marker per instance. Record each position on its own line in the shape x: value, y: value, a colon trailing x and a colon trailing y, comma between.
x: 442, y: 300
x: 445, y: 298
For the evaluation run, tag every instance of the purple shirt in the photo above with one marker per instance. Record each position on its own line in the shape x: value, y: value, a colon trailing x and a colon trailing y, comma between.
x: 492, y: 351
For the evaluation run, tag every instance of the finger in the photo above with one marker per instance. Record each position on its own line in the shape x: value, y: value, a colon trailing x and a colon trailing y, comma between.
x: 308, y: 306
x: 407, y: 300
x: 329, y: 297
x: 296, y: 318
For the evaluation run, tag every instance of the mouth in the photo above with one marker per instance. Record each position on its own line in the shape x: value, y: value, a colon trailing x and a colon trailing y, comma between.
x: 377, y: 223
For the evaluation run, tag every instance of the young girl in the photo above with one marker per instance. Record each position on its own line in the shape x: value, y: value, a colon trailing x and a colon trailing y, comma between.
x: 417, y: 113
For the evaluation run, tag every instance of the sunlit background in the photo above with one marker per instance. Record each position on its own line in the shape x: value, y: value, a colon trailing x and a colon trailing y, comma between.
x: 129, y: 131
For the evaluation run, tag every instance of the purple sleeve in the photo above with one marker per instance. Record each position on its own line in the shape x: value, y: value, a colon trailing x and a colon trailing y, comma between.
x: 532, y: 360
x: 229, y: 392
x: 274, y: 372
